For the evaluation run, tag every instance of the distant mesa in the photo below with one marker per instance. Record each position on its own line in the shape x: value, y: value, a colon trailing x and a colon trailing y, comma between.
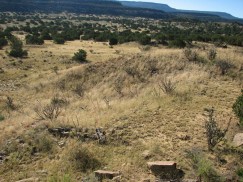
x: 168, y: 9
x: 115, y: 8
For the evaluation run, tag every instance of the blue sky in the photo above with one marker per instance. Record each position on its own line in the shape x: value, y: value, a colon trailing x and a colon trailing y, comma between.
x: 234, y: 7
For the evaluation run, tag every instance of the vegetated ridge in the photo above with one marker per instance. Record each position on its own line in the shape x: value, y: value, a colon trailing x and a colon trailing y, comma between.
x: 79, y: 6
x: 132, y: 9
x: 168, y: 9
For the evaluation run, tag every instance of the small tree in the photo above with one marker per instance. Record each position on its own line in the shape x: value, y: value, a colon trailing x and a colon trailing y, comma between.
x: 145, y: 40
x: 213, y: 132
x: 224, y: 66
x: 113, y: 41
x: 17, y: 48
x: 191, y: 55
x: 167, y: 86
x: 33, y: 39
x: 3, y: 42
x: 58, y: 39
x: 212, y: 53
x: 238, y: 108
x: 80, y: 56
x: 179, y: 43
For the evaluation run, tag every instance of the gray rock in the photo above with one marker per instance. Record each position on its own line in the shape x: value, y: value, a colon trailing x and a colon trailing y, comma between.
x: 102, y: 174
x: 146, y: 154
x: 238, y: 140
x: 165, y: 170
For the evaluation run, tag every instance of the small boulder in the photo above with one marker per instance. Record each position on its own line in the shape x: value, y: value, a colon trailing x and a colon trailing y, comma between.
x: 146, y: 154
x: 165, y: 170
x: 159, y: 168
x: 102, y: 174
x: 238, y: 140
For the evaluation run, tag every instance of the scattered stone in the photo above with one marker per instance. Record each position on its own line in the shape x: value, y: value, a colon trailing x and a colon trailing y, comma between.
x: 183, y: 137
x: 61, y: 132
x: 83, y: 134
x: 146, y: 154
x: 61, y: 143
x: 101, y: 174
x: 238, y: 140
x: 101, y: 135
x: 117, y: 179
x: 42, y: 172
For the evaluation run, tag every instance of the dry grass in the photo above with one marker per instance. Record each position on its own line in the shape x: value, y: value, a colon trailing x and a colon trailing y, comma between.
x: 122, y: 95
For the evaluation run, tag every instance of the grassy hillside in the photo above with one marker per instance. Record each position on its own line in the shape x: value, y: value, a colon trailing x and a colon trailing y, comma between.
x: 147, y: 99
x: 121, y: 91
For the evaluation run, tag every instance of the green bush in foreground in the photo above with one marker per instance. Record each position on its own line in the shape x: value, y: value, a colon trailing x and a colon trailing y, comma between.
x: 202, y: 166
x: 17, y: 48
x: 3, y: 42
x: 238, y: 108
x: 83, y: 159
x: 1, y: 117
x: 33, y: 39
x: 80, y: 56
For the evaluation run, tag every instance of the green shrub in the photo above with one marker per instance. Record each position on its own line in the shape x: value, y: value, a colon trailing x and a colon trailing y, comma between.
x: 58, y: 178
x: 80, y: 56
x: 167, y: 86
x: 82, y: 159
x: 145, y: 40
x: 213, y: 132
x: 238, y: 108
x: 202, y: 166
x: 61, y: 102
x: 10, y: 105
x: 17, y: 48
x: 178, y: 43
x: 240, y: 172
x: 113, y: 41
x: 45, y: 35
x: 212, y: 53
x: 48, y: 112
x: 3, y: 42
x: 58, y: 39
x: 191, y: 55
x: 1, y: 117
x: 32, y: 39
x: 224, y: 66
x: 43, y: 143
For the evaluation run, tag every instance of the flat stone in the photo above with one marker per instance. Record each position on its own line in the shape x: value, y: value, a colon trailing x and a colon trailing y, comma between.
x: 238, y: 140
x: 102, y: 174
x: 29, y: 180
x: 166, y: 164
x: 164, y: 169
